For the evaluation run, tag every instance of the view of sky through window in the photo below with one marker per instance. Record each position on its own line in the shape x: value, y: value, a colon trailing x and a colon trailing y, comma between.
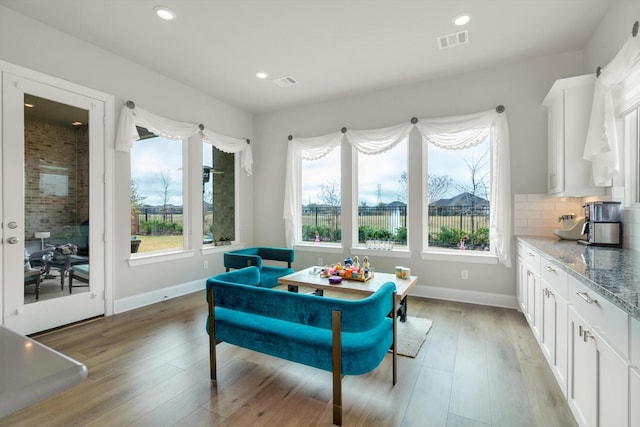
x: 151, y: 159
x: 379, y: 175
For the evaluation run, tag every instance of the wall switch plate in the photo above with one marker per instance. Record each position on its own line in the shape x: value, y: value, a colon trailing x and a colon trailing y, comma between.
x: 320, y: 262
x: 464, y: 274
x: 206, y: 264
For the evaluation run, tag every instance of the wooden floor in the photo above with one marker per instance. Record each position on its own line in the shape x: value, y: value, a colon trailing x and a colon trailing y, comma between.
x: 480, y: 366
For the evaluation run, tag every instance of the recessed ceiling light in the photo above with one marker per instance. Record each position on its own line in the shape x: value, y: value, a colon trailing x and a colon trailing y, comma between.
x: 165, y: 13
x: 462, y: 19
x: 76, y: 123
x: 29, y: 105
x: 262, y: 75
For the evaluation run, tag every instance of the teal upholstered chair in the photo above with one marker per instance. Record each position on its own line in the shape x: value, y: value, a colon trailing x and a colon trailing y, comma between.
x: 255, y: 256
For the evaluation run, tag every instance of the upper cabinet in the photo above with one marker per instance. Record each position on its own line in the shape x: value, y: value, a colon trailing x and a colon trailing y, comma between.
x: 569, y: 108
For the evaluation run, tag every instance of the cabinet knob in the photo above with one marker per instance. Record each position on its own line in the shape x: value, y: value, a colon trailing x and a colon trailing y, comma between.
x: 549, y: 268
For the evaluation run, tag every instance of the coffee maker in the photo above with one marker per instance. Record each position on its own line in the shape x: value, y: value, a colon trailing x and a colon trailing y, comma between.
x: 602, y: 225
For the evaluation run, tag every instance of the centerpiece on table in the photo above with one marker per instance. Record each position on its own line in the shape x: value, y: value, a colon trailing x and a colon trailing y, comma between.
x: 64, y: 252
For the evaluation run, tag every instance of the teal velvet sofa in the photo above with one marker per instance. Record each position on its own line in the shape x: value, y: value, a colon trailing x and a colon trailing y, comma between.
x: 345, y: 337
x: 255, y: 256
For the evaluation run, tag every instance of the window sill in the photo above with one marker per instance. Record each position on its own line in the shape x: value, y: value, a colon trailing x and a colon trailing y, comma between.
x: 312, y: 247
x: 392, y: 253
x: 156, y: 257
x: 212, y: 249
x: 459, y: 256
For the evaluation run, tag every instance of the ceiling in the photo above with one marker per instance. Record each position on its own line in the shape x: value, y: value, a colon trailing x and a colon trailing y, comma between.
x: 333, y: 48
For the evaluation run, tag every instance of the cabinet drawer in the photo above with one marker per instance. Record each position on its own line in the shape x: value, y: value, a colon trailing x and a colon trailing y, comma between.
x: 634, y: 345
x: 554, y: 276
x: 610, y: 322
x: 532, y: 259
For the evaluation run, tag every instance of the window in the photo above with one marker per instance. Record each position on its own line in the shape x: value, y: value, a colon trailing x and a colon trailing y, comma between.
x: 321, y: 199
x: 383, y: 198
x: 457, y: 188
x: 157, y: 193
x: 627, y: 98
x: 218, y: 196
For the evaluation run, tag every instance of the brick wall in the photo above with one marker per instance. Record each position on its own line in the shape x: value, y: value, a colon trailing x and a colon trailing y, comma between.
x: 56, y: 179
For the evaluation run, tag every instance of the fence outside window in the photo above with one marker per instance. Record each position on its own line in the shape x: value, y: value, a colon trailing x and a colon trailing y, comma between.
x: 448, y: 225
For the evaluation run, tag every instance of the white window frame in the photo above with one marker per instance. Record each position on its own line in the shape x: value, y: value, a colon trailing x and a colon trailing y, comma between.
x: 442, y: 254
x: 355, y: 186
x: 186, y: 251
x: 627, y: 95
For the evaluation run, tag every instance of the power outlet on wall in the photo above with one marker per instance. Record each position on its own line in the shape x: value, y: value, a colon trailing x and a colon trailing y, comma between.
x: 320, y: 262
x: 464, y: 274
x: 206, y: 264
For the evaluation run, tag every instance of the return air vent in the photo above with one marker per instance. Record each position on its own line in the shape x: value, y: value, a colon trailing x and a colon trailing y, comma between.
x: 286, y: 81
x: 454, y: 39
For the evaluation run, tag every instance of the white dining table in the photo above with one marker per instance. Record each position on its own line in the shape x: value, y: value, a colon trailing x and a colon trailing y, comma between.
x: 31, y: 372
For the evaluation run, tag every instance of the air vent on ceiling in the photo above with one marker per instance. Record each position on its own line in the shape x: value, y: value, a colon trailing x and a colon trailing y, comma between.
x: 454, y: 39
x: 286, y: 81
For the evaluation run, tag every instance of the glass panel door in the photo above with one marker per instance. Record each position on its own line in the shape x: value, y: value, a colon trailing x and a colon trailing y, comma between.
x: 49, y: 137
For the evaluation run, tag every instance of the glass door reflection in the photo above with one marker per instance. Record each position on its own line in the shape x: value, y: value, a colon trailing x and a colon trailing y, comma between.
x: 56, y: 199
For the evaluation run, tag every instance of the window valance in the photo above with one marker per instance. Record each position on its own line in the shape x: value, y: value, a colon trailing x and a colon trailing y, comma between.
x: 132, y: 116
x: 602, y: 147
x: 456, y: 132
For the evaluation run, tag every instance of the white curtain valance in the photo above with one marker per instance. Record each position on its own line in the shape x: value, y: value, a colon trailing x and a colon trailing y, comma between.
x: 451, y: 133
x: 602, y: 147
x: 132, y: 116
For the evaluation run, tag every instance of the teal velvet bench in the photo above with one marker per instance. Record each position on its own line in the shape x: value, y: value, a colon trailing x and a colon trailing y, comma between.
x: 255, y: 256
x: 345, y: 337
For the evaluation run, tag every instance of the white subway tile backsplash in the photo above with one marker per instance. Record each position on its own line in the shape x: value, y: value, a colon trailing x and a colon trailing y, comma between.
x: 537, y: 215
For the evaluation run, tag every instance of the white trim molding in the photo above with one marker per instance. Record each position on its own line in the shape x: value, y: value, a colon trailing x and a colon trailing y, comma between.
x: 461, y: 295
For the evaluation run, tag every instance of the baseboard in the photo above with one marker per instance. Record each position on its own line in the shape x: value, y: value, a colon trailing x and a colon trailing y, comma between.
x: 137, y: 301
x: 459, y: 295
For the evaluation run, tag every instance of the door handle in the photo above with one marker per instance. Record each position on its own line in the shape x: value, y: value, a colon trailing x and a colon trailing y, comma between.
x: 13, y: 240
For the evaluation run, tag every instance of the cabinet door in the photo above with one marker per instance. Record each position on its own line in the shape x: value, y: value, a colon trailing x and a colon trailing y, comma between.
x: 561, y: 358
x: 532, y: 278
x: 612, y: 404
x: 548, y: 331
x: 634, y: 397
x: 555, y: 147
x: 537, y: 307
x: 581, y: 393
x: 553, y: 336
x: 521, y: 285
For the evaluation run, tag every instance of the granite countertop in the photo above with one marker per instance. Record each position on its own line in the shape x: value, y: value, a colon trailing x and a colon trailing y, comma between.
x: 611, y: 272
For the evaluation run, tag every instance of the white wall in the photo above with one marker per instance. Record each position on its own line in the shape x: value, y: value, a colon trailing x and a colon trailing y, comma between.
x: 32, y: 45
x: 519, y: 86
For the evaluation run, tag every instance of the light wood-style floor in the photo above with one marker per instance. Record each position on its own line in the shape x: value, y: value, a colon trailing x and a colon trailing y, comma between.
x: 480, y: 366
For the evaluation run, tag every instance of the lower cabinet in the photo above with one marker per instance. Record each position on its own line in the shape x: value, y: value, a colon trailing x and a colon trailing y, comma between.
x: 634, y: 396
x: 598, y: 391
x: 553, y: 336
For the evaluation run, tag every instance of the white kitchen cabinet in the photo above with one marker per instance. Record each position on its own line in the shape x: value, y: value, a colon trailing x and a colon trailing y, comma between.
x: 533, y: 311
x: 598, y: 386
x: 521, y: 279
x: 634, y: 397
x: 634, y: 374
x: 553, y: 336
x: 568, y: 110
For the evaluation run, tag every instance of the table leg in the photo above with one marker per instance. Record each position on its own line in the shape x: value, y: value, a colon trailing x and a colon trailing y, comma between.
x: 402, y: 309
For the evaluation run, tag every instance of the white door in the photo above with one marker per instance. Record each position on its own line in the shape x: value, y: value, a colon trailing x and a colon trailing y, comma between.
x: 52, y: 197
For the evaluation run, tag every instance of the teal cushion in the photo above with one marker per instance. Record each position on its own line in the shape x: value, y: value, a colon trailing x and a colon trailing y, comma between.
x: 247, y: 276
x: 269, y: 275
x: 361, y: 351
